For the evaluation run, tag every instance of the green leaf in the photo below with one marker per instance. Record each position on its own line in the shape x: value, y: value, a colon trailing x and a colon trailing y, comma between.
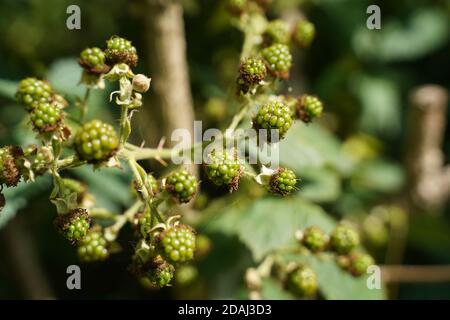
x: 8, y: 88
x: 319, y: 185
x: 335, y: 283
x: 312, y: 146
x: 269, y: 223
x: 272, y: 290
x: 379, y: 175
x: 380, y: 100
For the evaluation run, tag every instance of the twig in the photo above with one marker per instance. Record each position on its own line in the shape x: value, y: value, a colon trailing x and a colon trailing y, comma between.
x: 415, y: 274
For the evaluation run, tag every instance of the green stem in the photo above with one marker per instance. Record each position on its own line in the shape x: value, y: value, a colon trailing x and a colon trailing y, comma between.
x: 238, y: 117
x: 84, y: 105
x: 69, y: 162
x: 123, y: 124
x: 112, y: 232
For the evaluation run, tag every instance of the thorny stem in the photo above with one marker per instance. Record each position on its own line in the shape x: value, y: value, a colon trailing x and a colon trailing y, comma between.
x: 123, y: 124
x: 112, y: 232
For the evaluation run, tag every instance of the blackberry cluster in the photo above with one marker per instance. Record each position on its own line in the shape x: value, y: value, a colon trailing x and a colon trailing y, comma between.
x: 96, y: 141
x: 251, y: 72
x: 120, y: 50
x: 9, y: 165
x: 278, y: 60
x: 93, y: 60
x: 224, y: 169
x: 31, y: 92
x: 181, y: 185
x: 73, y: 225
x: 302, y: 281
x: 277, y: 31
x: 160, y: 272
x: 46, y: 117
x: 344, y: 239
x: 282, y: 182
x: 304, y: 33
x: 151, y: 185
x: 315, y: 239
x: 273, y: 116
x: 308, y: 108
x: 40, y: 158
x: 177, y: 243
x: 93, y: 247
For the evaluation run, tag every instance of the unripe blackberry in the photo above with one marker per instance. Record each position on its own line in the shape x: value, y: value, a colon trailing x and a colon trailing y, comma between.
x: 177, y: 243
x: 74, y: 186
x: 32, y: 92
x: 224, y: 169
x: 46, y: 117
x: 277, y: 31
x: 302, y: 281
x: 144, y: 223
x: 278, y: 60
x: 120, y: 50
x: 237, y: 7
x: 181, y: 185
x: 304, y: 33
x: 273, y: 116
x: 359, y: 262
x: 96, y: 141
x: 93, y: 247
x: 73, y: 225
x: 315, y: 239
x: 160, y: 272
x: 151, y: 186
x: 344, y: 239
x: 252, y: 71
x: 93, y: 60
x: 9, y: 165
x: 40, y: 158
x: 308, y: 107
x: 282, y: 182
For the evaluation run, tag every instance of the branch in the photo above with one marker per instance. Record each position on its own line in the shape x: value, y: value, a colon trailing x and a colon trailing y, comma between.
x: 429, y: 180
x: 415, y: 274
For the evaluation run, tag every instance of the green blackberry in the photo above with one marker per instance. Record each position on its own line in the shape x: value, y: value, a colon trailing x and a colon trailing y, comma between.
x: 273, y: 116
x: 93, y: 247
x: 93, y: 60
x: 151, y: 186
x: 144, y: 223
x: 359, y: 262
x: 96, y: 141
x: 224, y: 169
x: 283, y: 182
x: 181, y: 185
x: 252, y: 71
x: 315, y: 239
x: 73, y: 225
x: 302, y: 281
x: 277, y: 31
x: 46, y: 117
x: 9, y: 165
x: 120, y: 50
x: 308, y: 107
x: 304, y: 33
x: 177, y: 243
x: 160, y: 272
x: 32, y: 92
x: 40, y: 158
x: 344, y: 239
x: 278, y: 60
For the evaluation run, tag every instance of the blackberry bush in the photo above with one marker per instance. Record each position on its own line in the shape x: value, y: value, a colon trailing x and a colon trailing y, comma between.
x: 278, y: 60
x: 181, y: 185
x: 273, y: 116
x: 93, y: 247
x: 224, y: 169
x: 96, y: 141
x: 32, y: 92
x: 177, y: 243
x: 120, y: 50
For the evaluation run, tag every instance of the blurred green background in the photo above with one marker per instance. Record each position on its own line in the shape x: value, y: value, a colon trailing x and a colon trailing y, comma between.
x: 350, y: 164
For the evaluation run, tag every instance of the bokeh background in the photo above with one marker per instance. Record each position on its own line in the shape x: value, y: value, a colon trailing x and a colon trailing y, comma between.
x: 351, y: 163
